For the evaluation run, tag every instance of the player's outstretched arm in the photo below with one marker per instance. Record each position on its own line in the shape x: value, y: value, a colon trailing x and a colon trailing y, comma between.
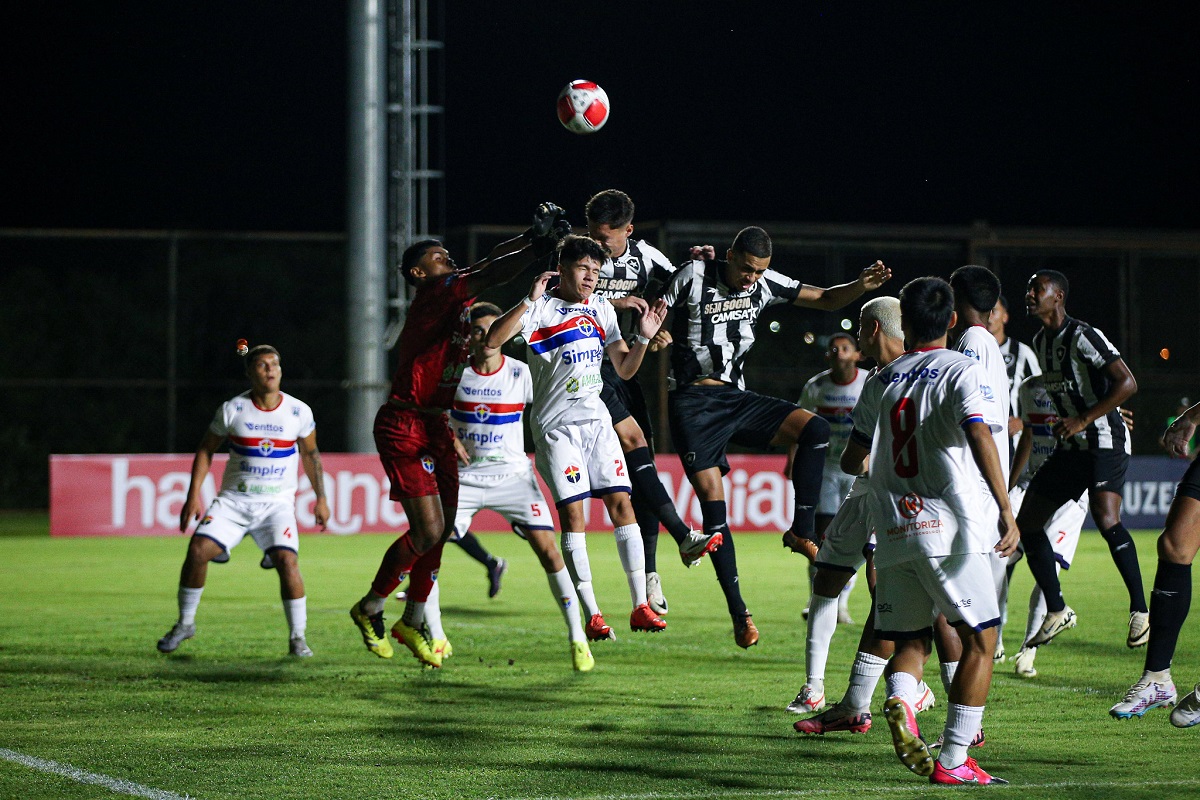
x: 836, y: 297
x: 987, y: 458
x: 193, y: 506
x: 1121, y: 387
x: 510, y: 258
x: 627, y: 359
x: 509, y: 323
x: 310, y: 458
x: 1178, y: 435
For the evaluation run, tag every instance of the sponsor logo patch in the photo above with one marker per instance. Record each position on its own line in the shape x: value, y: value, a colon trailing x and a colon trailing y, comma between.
x: 572, y: 473
x: 427, y: 464
x: 910, y: 505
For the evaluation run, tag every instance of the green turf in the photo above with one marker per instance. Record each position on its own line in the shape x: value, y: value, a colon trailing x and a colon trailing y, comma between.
x: 683, y: 714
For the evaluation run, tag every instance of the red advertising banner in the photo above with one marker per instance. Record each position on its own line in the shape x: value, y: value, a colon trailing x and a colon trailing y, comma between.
x: 142, y: 495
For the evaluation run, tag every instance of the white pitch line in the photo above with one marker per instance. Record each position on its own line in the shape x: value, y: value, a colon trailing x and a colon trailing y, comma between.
x: 750, y: 793
x: 82, y: 776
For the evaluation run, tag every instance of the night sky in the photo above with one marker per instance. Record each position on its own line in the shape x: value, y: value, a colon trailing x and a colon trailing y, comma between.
x: 231, y: 115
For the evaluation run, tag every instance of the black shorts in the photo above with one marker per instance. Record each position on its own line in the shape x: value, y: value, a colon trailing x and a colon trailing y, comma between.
x: 624, y: 399
x: 1190, y: 485
x: 1067, y: 474
x: 705, y: 419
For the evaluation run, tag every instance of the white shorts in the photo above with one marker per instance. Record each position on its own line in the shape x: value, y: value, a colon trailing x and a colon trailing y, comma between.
x: 272, y: 525
x: 848, y: 536
x: 909, y: 595
x: 515, y: 496
x: 582, y: 460
x: 1062, y: 528
x: 835, y: 485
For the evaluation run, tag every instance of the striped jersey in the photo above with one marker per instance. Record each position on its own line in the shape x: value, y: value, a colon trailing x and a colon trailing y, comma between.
x: 566, y: 343
x: 1021, y: 363
x: 834, y: 402
x: 486, y: 418
x: 642, y: 271
x: 924, y: 479
x: 263, y: 454
x: 977, y: 342
x: 1073, y: 359
x: 713, y: 324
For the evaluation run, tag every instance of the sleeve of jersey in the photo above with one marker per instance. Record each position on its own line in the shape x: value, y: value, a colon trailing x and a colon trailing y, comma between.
x: 529, y: 320
x: 609, y: 324
x: 526, y: 385
x: 308, y: 423
x: 661, y: 271
x: 865, y: 413
x: 220, y: 423
x: 974, y: 404
x: 807, y: 396
x: 1096, y: 349
x: 680, y: 285
x: 1030, y: 358
x: 783, y: 289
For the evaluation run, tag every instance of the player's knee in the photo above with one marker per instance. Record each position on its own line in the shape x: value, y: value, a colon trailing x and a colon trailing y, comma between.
x: 815, y: 433
x: 830, y: 582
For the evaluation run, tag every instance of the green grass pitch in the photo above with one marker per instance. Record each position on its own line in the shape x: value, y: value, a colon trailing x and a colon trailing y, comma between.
x: 682, y: 714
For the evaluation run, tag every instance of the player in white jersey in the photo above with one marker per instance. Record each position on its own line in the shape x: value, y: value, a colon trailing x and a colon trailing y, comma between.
x: 568, y: 331
x: 848, y: 544
x: 1038, y: 418
x: 633, y: 276
x: 268, y: 433
x: 494, y: 473
x: 832, y: 395
x: 928, y: 425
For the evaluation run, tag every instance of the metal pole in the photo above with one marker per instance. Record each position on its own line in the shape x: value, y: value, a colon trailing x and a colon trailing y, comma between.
x: 366, y: 248
x: 172, y: 340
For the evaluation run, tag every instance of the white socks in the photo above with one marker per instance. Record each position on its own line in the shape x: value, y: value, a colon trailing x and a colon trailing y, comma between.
x: 574, y: 549
x: 433, y: 612
x: 296, y: 612
x: 864, y: 677
x: 903, y: 685
x: 189, y: 601
x: 822, y: 622
x: 962, y: 723
x: 633, y: 560
x: 948, y: 670
x: 568, y: 602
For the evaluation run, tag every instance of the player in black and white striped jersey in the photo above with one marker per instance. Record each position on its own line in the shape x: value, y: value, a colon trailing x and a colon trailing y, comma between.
x: 633, y: 276
x: 1087, y: 380
x: 716, y: 305
x: 1020, y: 361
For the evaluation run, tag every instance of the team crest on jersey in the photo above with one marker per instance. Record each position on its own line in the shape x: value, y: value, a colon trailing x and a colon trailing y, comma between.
x: 585, y: 326
x: 572, y: 385
x: 482, y: 412
x: 910, y: 505
x: 427, y: 464
x: 572, y: 473
x: 206, y: 520
x: 688, y: 458
x: 266, y: 446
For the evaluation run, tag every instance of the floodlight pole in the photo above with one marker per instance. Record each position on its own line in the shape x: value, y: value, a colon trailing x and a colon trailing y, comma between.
x: 367, y: 224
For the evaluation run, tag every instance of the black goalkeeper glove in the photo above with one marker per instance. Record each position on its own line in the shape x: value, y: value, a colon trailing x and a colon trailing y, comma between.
x: 543, y: 221
x: 544, y: 245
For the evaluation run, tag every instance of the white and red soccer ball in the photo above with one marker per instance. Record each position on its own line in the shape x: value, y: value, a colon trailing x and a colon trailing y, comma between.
x: 582, y: 107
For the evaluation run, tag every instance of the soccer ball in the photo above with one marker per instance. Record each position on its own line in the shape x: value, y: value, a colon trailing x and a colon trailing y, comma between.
x: 582, y: 107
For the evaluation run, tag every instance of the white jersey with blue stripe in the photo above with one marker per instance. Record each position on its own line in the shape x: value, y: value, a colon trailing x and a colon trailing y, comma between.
x: 486, y: 418
x: 263, y: 454
x: 834, y: 402
x: 977, y: 342
x: 924, y: 480
x: 566, y: 344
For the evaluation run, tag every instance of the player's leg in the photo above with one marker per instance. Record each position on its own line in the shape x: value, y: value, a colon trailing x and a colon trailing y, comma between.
x: 1106, y: 511
x: 1170, y: 603
x: 810, y: 434
x: 495, y: 566
x: 821, y: 624
x: 563, y: 591
x: 221, y: 528
x: 295, y: 603
x: 650, y: 504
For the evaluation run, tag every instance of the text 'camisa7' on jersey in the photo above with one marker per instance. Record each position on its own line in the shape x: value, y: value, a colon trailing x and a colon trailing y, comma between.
x: 925, y: 483
x: 713, y: 324
x: 263, y: 454
x: 486, y: 418
x: 566, y: 343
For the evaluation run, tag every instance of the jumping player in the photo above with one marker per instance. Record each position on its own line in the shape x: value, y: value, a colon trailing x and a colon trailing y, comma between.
x: 414, y: 442
x: 268, y: 432
x: 568, y: 331
x: 1172, y: 593
x: 716, y: 304
x: 494, y: 473
x: 928, y: 424
x: 1088, y: 380
x: 632, y: 277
